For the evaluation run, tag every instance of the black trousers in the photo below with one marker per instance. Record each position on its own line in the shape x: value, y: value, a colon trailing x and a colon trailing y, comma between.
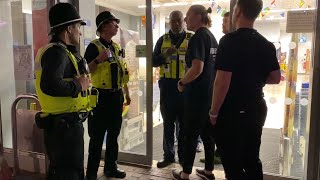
x: 65, y: 148
x: 196, y: 122
x: 238, y: 136
x: 171, y: 107
x: 107, y: 116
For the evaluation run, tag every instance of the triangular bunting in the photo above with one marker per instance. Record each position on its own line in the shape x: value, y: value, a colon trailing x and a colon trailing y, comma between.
x: 223, y: 12
x: 301, y: 3
x: 212, y: 4
x: 218, y: 9
x: 266, y: 10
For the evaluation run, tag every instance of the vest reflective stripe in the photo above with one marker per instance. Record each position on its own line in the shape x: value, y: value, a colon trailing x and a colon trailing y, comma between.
x: 101, y: 78
x: 58, y: 105
x: 169, y: 70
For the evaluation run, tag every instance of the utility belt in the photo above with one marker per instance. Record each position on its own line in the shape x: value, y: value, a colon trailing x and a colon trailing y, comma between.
x: 48, y: 121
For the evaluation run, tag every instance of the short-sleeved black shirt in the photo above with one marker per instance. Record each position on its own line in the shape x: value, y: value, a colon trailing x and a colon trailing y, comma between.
x: 250, y: 57
x: 202, y: 46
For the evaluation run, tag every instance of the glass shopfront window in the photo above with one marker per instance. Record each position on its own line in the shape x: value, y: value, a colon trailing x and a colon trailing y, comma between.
x: 290, y: 25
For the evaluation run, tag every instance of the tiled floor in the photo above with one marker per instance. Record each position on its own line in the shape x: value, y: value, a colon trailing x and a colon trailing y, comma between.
x: 140, y: 173
x: 135, y: 173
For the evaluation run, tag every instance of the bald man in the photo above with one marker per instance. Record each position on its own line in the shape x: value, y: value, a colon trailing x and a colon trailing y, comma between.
x: 169, y: 55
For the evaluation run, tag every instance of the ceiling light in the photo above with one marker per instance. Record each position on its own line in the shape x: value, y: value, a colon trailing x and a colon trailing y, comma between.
x: 154, y: 6
x: 175, y: 4
x: 201, y: 2
x: 142, y: 6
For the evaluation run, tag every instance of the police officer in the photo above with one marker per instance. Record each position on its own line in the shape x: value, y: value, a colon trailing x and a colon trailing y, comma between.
x: 62, y: 87
x: 238, y: 108
x: 110, y: 77
x: 197, y: 87
x: 169, y: 55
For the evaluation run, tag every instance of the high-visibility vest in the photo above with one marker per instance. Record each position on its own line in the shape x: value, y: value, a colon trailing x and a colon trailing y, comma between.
x: 58, y: 105
x: 102, y: 77
x: 176, y: 63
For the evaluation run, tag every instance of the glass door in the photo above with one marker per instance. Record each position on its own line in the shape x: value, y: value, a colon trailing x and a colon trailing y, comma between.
x: 135, y: 37
x: 289, y: 25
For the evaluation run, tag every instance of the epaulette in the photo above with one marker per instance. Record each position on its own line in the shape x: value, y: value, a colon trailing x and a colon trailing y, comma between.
x: 166, y: 36
x: 188, y: 35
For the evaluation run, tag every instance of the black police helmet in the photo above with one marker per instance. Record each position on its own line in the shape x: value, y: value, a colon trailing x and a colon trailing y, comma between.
x: 63, y: 14
x: 105, y: 16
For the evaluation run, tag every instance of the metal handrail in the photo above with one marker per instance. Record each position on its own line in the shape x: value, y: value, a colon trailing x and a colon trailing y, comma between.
x: 14, y: 128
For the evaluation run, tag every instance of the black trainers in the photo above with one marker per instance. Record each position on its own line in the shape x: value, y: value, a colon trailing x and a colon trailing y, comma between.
x: 176, y: 174
x: 164, y: 163
x: 205, y: 176
x: 117, y: 173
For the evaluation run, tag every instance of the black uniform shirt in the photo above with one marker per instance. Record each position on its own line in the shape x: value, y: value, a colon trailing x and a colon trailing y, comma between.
x: 56, y: 66
x: 92, y: 50
x: 157, y: 57
x: 250, y: 57
x: 202, y: 46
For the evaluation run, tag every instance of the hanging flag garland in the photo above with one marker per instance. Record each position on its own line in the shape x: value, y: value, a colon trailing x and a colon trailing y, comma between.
x: 273, y: 3
x: 282, y: 14
x: 301, y: 3
x: 261, y: 15
x: 224, y: 11
x: 218, y: 9
x: 266, y: 10
x: 212, y: 4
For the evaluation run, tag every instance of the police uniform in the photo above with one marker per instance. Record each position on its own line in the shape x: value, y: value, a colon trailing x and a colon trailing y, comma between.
x: 172, y: 69
x: 63, y: 105
x: 109, y: 78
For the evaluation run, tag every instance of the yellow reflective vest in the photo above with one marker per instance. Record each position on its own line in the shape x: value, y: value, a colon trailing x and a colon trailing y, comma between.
x: 102, y: 77
x: 58, y: 105
x: 175, y: 64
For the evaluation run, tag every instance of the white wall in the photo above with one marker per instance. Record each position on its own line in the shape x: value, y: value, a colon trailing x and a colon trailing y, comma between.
x: 269, y: 29
x: 87, y: 11
x: 216, y: 27
x: 7, y: 80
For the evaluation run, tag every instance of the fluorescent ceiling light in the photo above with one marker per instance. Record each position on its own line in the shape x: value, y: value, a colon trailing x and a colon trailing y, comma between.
x: 271, y: 18
x: 301, y: 9
x: 276, y: 10
x: 201, y: 2
x: 285, y: 10
x: 144, y: 6
x: 26, y: 11
x: 175, y: 4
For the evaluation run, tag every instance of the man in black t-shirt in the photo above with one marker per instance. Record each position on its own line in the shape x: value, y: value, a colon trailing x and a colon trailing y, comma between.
x: 246, y: 61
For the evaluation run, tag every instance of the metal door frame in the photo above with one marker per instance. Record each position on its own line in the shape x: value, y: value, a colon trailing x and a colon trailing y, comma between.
x: 132, y: 157
x: 312, y: 164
